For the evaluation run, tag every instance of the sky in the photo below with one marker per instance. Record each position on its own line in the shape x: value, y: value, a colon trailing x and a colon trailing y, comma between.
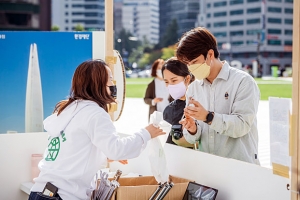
x: 59, y: 54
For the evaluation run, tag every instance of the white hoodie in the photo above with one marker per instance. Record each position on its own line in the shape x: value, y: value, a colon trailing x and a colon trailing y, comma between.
x: 73, y: 158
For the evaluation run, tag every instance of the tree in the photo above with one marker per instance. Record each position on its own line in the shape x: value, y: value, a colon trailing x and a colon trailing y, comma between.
x: 145, y: 60
x: 149, y: 58
x: 79, y: 27
x: 55, y: 28
x: 140, y: 52
x: 170, y: 36
x: 136, y: 54
x: 123, y: 42
x: 168, y: 52
x: 146, y: 43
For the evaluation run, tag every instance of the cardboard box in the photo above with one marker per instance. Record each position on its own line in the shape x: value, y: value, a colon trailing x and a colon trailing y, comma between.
x: 141, y: 188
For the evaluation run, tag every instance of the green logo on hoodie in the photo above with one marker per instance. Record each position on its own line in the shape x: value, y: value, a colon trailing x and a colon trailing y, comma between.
x: 53, y: 149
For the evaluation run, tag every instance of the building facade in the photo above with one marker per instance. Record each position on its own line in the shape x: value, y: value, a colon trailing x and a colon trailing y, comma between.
x: 118, y: 5
x: 141, y: 18
x: 185, y: 13
x: 22, y: 15
x: 67, y: 14
x: 251, y: 30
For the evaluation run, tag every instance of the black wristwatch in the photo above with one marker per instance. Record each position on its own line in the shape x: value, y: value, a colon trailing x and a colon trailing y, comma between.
x: 209, y: 117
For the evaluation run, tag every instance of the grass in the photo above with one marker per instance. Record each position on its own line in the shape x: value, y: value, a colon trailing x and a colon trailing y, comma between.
x: 136, y: 88
x: 275, y: 90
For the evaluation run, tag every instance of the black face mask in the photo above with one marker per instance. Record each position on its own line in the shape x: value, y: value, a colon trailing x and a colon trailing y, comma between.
x: 113, y: 91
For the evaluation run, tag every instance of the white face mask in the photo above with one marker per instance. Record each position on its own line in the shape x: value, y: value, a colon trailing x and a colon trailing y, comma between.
x: 200, y: 71
x: 178, y: 90
x: 159, y: 73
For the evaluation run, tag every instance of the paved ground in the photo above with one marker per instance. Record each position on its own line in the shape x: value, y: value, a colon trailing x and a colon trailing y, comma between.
x: 135, y: 116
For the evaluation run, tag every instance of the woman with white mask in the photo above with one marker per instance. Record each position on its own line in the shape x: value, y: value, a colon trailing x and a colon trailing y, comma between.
x: 157, y: 96
x: 177, y: 78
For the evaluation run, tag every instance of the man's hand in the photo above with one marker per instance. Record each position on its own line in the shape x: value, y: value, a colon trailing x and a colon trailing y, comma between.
x: 197, y: 111
x: 189, y: 124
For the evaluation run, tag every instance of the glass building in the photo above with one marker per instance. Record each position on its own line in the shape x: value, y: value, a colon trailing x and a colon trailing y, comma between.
x: 246, y: 30
x: 25, y: 15
x: 67, y: 14
x: 250, y: 30
x: 141, y: 18
x: 185, y: 13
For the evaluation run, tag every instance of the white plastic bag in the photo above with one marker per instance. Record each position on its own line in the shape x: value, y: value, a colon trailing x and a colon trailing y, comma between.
x: 156, y: 118
x: 156, y: 153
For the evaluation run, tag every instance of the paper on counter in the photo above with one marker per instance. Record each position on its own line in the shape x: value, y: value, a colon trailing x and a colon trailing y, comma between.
x: 280, y: 109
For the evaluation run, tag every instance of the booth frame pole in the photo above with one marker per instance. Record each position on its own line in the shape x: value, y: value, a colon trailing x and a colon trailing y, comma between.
x: 109, y: 34
x: 295, y: 137
x: 109, y: 39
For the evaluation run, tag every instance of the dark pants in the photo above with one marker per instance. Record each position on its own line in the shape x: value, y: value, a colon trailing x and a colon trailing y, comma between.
x: 40, y: 196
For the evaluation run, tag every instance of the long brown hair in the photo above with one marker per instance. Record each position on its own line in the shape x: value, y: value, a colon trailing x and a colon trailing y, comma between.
x: 194, y: 43
x: 154, y: 67
x: 89, y: 83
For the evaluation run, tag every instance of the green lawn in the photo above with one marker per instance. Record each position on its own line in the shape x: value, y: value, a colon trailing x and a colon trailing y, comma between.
x: 136, y: 87
x: 275, y: 90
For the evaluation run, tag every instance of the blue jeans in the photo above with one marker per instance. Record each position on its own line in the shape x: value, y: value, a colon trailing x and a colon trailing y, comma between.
x: 40, y: 196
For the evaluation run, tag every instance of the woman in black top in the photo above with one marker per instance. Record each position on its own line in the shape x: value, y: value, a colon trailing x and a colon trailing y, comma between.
x: 177, y: 78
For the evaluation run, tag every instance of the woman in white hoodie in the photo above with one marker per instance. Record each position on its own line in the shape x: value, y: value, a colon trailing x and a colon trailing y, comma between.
x: 82, y: 136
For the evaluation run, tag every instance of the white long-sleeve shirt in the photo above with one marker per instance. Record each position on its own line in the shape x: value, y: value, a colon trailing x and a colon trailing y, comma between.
x: 73, y: 158
x: 233, y: 97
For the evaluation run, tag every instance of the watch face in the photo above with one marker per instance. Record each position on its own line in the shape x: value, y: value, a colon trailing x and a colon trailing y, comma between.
x: 209, y: 117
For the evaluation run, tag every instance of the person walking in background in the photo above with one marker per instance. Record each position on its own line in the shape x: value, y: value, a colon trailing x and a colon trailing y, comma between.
x: 177, y: 78
x: 224, y: 101
x: 82, y: 136
x: 156, y: 96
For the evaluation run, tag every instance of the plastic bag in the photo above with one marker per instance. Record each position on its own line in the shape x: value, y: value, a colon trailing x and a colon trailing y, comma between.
x: 156, y: 153
x: 157, y: 119
x: 208, y: 194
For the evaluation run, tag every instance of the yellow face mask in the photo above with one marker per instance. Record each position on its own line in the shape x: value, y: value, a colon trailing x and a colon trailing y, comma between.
x: 200, y: 71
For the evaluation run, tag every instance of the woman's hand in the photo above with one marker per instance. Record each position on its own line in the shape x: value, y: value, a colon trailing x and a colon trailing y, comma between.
x: 154, y: 131
x: 197, y: 111
x: 157, y: 99
x: 124, y: 162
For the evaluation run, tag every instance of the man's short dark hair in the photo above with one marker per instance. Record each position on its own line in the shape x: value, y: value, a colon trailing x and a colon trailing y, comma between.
x: 194, y: 43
